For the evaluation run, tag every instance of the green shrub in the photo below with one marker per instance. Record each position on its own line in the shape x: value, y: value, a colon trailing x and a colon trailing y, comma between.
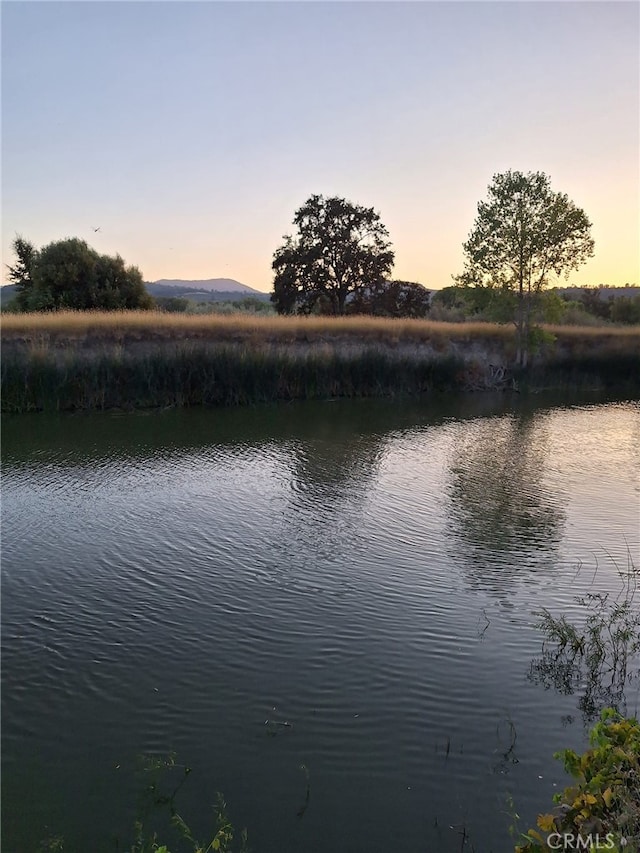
x: 601, y: 810
x: 626, y: 310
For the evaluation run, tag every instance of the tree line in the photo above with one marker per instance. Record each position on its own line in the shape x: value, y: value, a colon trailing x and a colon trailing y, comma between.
x: 339, y: 260
x: 574, y: 306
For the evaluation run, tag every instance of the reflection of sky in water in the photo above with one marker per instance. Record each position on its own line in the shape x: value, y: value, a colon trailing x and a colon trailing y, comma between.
x: 596, y: 461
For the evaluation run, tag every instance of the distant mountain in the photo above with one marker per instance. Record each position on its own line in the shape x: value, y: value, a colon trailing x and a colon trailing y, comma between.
x: 160, y: 290
x: 228, y: 285
x: 204, y: 290
x: 7, y: 292
x: 211, y: 290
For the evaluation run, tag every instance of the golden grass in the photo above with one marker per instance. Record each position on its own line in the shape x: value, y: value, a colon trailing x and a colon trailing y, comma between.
x: 154, y: 325
x: 230, y: 325
x: 590, y: 332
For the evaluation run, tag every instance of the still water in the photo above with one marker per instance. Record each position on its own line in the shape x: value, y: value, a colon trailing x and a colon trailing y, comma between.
x: 364, y: 572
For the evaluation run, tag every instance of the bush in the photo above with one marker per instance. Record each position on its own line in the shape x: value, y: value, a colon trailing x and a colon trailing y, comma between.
x: 172, y: 304
x: 442, y: 314
x: 391, y: 299
x: 575, y: 315
x: 625, y: 310
x: 602, y: 809
x: 69, y: 274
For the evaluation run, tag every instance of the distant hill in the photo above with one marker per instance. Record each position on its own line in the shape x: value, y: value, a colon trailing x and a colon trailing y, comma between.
x: 227, y: 285
x: 7, y: 292
x: 212, y: 290
x: 209, y: 290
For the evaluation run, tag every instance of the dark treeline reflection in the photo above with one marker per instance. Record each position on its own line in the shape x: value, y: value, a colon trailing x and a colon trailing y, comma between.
x: 79, y: 438
x: 85, y: 437
x: 329, y: 478
x: 503, y: 518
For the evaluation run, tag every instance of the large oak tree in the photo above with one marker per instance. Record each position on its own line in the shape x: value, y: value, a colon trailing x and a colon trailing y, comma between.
x: 339, y: 249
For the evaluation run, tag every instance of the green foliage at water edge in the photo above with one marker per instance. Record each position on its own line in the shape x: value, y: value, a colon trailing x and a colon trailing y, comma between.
x: 602, y: 807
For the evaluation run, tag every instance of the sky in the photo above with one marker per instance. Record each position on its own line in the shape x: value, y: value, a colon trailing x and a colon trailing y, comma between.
x: 191, y: 132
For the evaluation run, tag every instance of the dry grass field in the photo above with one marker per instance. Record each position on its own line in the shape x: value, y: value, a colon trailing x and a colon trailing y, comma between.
x: 119, y: 326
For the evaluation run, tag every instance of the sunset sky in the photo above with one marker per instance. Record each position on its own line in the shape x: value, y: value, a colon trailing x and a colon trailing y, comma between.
x: 190, y: 132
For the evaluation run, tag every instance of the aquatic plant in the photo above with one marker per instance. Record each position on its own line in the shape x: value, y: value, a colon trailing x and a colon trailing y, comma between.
x: 601, y: 810
x: 157, y: 799
x: 157, y: 807
x: 596, y: 654
x: 128, y: 359
x: 44, y: 376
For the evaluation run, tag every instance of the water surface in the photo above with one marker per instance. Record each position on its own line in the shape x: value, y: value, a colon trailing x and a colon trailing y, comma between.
x: 363, y: 571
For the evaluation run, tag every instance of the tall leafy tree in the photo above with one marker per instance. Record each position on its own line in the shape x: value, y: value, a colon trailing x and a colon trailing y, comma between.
x: 21, y: 273
x: 523, y: 234
x: 339, y: 248
x: 70, y: 274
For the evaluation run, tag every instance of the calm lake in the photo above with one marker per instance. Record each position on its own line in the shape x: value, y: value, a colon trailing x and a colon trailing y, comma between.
x: 324, y: 609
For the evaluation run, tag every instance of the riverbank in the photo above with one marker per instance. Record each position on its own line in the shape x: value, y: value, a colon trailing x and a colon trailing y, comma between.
x: 128, y: 360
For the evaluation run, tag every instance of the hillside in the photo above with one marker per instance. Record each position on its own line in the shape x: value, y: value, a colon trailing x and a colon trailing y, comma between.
x: 7, y: 292
x: 163, y: 291
x: 209, y: 290
x: 226, y: 285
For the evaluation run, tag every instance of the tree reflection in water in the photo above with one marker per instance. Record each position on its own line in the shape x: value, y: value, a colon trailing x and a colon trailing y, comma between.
x: 503, y: 517
x: 329, y: 473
